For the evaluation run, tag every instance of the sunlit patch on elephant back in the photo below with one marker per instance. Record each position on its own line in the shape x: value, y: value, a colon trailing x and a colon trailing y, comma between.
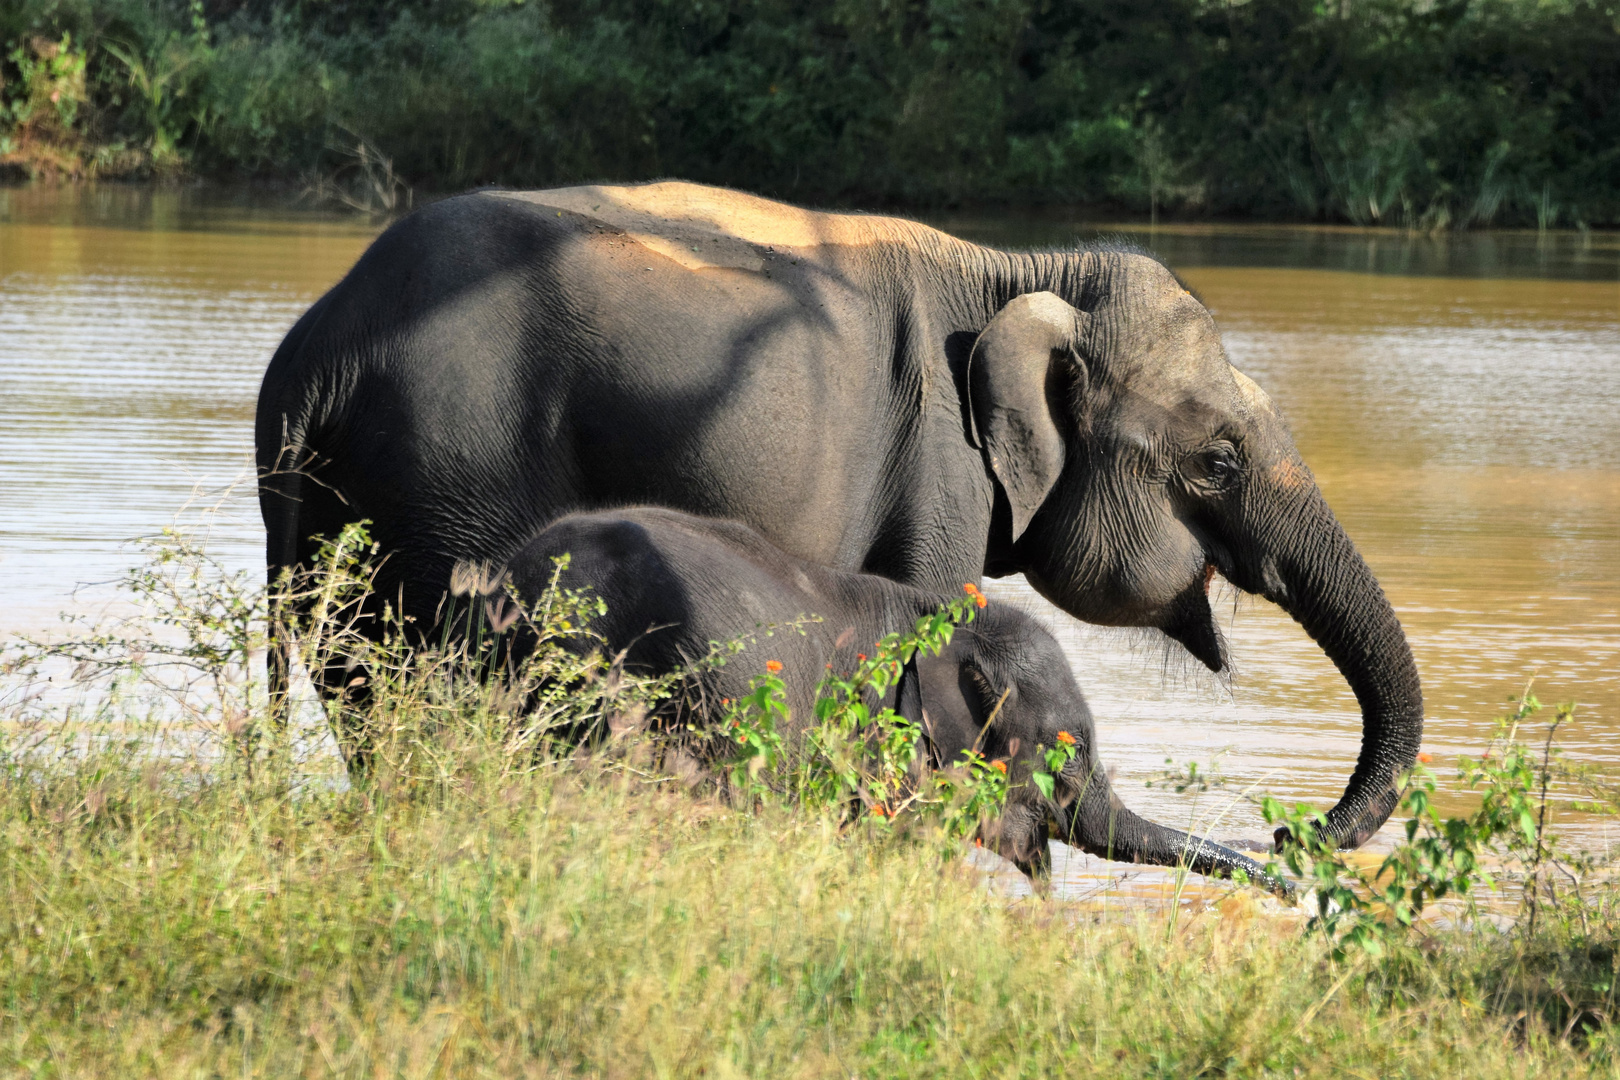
x: 711, y: 228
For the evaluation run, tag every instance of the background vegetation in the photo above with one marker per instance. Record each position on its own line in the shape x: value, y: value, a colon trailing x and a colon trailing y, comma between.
x: 1430, y: 114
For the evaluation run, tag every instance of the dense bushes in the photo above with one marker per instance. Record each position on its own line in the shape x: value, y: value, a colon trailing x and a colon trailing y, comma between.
x: 1452, y: 112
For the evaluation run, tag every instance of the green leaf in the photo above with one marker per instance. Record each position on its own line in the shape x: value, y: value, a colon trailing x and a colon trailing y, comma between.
x: 1043, y: 780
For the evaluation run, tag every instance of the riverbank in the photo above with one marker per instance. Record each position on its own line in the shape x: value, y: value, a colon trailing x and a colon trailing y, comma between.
x: 186, y: 887
x: 1496, y: 112
x: 164, y: 917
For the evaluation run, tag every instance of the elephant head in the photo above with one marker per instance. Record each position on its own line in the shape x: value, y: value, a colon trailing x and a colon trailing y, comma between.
x: 1003, y: 687
x: 1137, y: 463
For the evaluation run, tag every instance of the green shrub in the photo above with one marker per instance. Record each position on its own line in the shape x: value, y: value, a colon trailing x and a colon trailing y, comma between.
x: 863, y: 761
x: 39, y: 116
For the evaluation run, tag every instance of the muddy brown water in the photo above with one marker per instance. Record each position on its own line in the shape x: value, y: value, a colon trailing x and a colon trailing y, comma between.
x: 1457, y: 397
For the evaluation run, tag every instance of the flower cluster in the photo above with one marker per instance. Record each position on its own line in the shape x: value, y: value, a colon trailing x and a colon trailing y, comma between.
x: 978, y: 597
x: 1056, y: 760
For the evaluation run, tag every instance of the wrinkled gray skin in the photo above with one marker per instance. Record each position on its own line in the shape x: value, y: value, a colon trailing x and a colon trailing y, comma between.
x: 869, y: 393
x: 674, y: 583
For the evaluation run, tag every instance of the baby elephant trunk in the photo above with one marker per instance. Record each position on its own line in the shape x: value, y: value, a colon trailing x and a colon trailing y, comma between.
x: 1098, y: 823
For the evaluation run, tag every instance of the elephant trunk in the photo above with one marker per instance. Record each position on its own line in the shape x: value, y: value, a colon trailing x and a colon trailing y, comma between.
x: 1098, y: 823
x: 1314, y: 572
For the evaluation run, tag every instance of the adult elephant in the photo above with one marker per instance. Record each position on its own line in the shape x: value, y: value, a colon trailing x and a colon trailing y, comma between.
x: 870, y: 393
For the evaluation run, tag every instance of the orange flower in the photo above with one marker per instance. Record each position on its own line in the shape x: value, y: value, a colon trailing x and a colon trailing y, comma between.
x: 977, y: 842
x: 981, y: 599
x: 725, y: 701
x: 1065, y: 738
x: 999, y: 766
x: 879, y: 810
x: 1425, y: 758
x: 861, y: 657
x: 773, y: 666
x: 970, y: 588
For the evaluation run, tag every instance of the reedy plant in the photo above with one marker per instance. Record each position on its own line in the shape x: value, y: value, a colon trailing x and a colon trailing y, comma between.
x: 404, y: 708
x: 159, y: 71
x: 187, y: 643
x: 189, y: 633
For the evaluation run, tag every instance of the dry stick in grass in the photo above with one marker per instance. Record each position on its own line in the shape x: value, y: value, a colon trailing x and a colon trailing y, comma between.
x: 1317, y: 1006
x: 1181, y: 877
x: 1541, y: 820
x: 991, y: 719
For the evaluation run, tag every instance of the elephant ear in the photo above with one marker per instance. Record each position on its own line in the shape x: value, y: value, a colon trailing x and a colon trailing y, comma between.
x: 1007, y: 400
x: 908, y: 703
x: 954, y: 691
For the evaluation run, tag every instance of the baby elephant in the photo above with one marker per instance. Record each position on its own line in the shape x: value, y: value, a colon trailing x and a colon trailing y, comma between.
x: 674, y: 583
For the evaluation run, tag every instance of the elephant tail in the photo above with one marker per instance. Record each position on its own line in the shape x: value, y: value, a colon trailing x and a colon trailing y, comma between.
x: 281, y: 479
x: 295, y: 400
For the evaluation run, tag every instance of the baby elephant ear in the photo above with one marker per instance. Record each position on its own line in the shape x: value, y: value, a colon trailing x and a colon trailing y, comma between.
x: 908, y: 703
x: 1008, y: 374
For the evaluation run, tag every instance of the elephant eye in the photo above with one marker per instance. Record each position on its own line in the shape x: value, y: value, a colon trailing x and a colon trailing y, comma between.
x: 1214, y: 468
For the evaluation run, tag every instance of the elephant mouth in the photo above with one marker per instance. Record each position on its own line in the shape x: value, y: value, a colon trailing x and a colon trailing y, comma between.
x: 1191, y: 622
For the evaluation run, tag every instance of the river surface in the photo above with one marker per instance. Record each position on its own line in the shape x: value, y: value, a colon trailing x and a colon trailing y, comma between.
x: 1458, y: 398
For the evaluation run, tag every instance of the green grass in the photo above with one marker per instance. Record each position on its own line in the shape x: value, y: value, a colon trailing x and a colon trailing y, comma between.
x: 579, y: 919
x: 179, y: 898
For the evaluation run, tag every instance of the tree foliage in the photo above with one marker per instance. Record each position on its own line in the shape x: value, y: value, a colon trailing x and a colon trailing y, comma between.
x: 1450, y: 112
